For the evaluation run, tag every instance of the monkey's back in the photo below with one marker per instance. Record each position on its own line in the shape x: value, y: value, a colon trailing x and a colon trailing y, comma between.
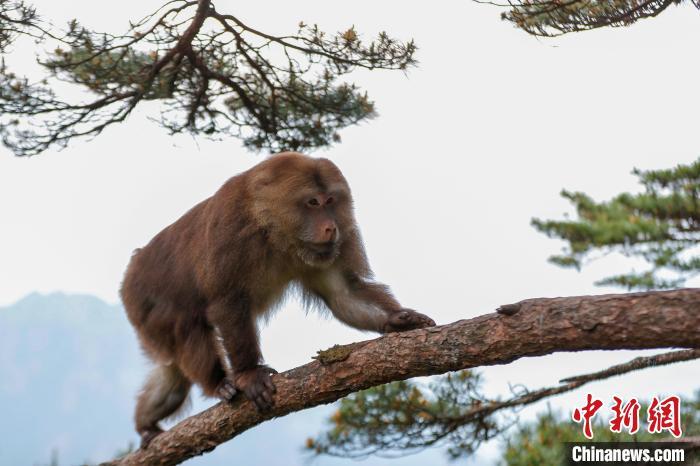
x: 159, y: 289
x: 165, y: 289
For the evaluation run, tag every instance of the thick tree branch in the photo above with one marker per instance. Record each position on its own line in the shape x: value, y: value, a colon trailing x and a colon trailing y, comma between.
x: 536, y: 327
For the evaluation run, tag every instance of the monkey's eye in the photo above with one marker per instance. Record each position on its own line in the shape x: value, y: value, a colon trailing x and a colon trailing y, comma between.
x: 313, y: 202
x: 330, y: 200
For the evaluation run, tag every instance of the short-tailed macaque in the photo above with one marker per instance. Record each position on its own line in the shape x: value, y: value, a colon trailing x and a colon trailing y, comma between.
x: 195, y: 292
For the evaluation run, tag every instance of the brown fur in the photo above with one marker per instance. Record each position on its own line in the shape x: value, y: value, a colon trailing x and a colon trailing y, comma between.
x: 195, y: 292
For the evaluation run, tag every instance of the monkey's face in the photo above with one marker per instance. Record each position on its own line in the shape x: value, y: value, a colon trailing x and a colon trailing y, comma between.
x: 319, y: 232
x: 307, y: 205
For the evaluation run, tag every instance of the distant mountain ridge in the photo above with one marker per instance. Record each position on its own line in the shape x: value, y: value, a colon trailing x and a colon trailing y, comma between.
x: 70, y: 367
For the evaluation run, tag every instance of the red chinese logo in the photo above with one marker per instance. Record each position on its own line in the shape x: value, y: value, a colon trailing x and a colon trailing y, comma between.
x: 662, y: 415
x: 665, y: 415
x: 625, y: 416
x: 586, y: 413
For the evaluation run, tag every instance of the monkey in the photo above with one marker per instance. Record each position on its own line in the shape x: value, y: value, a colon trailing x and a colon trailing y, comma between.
x: 195, y: 292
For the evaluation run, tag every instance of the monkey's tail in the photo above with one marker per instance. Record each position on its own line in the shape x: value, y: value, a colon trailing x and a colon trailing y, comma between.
x: 163, y: 396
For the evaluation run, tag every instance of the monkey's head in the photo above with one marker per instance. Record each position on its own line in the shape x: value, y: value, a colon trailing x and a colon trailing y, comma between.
x: 305, y: 206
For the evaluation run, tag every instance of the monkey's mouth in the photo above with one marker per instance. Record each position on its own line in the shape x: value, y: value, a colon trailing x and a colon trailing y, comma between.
x: 318, y: 254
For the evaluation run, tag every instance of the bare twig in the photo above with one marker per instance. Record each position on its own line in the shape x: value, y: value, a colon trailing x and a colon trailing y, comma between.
x: 637, y: 363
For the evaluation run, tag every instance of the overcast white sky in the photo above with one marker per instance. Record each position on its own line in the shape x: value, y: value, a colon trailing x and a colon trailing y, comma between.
x: 467, y: 149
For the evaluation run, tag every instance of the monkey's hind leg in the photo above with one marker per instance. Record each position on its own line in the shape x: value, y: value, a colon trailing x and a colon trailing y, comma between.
x: 163, y: 394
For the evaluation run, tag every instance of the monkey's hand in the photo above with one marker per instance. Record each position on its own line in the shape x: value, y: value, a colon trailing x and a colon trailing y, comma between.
x: 226, y: 389
x: 407, y: 319
x: 257, y: 385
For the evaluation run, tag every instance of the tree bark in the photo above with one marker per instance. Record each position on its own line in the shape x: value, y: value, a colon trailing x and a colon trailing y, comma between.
x: 533, y: 327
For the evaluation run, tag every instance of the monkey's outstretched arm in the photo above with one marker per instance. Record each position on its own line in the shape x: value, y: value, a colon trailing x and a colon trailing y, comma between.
x: 366, y: 305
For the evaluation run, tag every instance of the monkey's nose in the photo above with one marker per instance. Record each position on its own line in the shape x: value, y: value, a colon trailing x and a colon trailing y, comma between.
x: 329, y: 234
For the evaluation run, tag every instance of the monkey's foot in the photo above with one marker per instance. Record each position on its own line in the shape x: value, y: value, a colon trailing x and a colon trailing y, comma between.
x: 147, y: 435
x: 257, y: 385
x: 407, y: 319
x: 226, y: 390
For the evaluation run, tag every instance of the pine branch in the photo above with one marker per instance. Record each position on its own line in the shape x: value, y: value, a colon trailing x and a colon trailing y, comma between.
x: 552, y: 18
x: 636, y: 364
x: 572, y: 383
x: 222, y: 78
x: 660, y: 225
x: 535, y: 327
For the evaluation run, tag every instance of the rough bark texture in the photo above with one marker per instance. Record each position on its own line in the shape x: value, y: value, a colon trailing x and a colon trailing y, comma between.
x: 533, y: 327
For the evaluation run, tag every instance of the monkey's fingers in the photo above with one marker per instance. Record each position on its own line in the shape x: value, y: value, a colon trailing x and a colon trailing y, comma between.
x: 148, y: 435
x: 262, y: 404
x: 427, y: 321
x: 420, y: 320
x: 408, y: 319
x: 253, y: 394
x: 270, y: 385
x: 226, y: 390
x: 262, y: 397
x: 259, y: 387
x: 266, y: 395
